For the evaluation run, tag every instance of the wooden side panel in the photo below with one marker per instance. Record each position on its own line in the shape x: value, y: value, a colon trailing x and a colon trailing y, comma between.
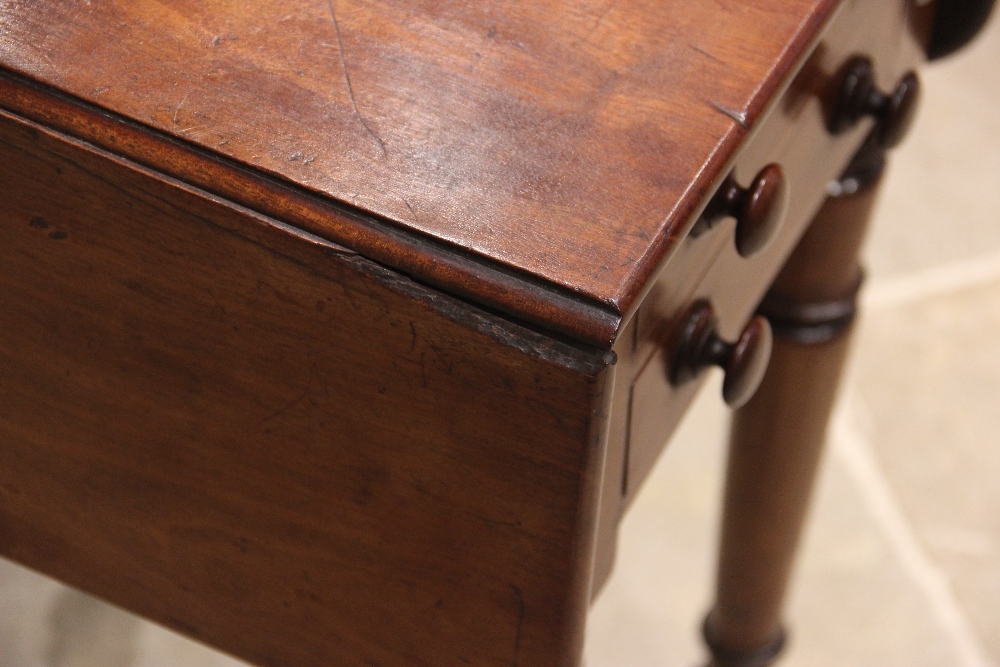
x: 276, y: 447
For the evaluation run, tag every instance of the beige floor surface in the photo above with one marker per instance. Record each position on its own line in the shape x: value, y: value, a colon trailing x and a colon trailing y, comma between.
x: 901, y: 563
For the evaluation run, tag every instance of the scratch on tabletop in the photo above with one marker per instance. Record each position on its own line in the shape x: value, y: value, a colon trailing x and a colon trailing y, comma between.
x: 178, y: 109
x: 222, y: 38
x: 706, y: 53
x: 46, y: 56
x: 290, y: 404
x: 739, y: 117
x: 412, y: 212
x: 520, y: 623
x: 600, y: 19
x: 584, y: 38
x: 347, y: 79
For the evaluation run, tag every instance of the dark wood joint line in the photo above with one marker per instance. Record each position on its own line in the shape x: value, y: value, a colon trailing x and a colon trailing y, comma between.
x: 811, y: 322
x: 723, y: 656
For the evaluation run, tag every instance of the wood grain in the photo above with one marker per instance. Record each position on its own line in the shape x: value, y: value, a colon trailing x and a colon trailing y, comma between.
x: 569, y: 143
x: 274, y: 446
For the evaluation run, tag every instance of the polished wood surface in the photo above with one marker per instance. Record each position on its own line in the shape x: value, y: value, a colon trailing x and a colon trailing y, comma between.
x: 274, y: 446
x: 561, y: 144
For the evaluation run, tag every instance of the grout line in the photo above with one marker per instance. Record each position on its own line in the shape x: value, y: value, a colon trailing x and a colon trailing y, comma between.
x: 855, y: 452
x: 906, y: 289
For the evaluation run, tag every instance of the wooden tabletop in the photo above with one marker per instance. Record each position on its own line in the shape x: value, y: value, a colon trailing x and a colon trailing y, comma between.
x: 548, y: 153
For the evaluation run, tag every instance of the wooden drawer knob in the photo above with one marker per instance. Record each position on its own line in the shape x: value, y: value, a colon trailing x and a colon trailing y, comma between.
x: 696, y: 345
x: 859, y: 97
x: 759, y: 209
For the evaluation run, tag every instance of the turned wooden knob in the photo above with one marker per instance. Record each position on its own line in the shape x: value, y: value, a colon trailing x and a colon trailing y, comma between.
x: 859, y: 97
x: 696, y: 345
x: 758, y: 209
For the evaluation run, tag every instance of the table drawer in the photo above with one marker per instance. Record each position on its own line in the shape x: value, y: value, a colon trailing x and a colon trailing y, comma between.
x: 794, y: 135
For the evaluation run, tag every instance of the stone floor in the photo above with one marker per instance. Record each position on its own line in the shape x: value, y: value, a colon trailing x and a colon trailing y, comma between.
x: 901, y: 563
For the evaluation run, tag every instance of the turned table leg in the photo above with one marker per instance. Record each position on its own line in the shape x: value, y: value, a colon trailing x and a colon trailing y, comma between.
x: 777, y: 438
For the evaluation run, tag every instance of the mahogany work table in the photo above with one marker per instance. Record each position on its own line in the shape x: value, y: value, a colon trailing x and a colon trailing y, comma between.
x: 343, y: 333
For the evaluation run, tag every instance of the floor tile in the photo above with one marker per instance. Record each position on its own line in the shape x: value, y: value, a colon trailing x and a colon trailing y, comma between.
x: 852, y: 604
x: 86, y: 632
x: 162, y: 648
x: 942, y: 191
x: 928, y: 374
x: 46, y: 624
x: 25, y: 601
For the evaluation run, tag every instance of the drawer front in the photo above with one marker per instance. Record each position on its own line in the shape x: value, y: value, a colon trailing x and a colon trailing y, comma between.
x: 793, y: 135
